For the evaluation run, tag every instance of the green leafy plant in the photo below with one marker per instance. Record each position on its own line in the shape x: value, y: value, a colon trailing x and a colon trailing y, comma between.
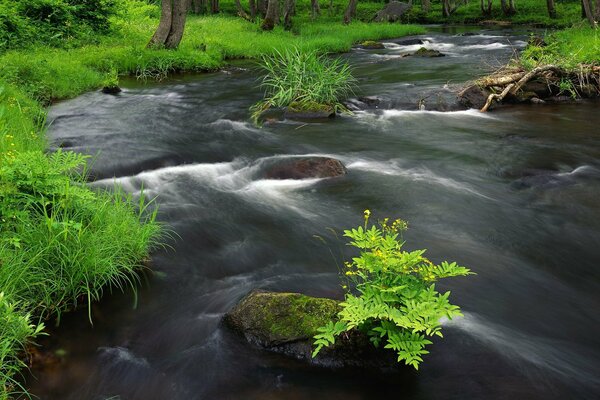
x: 303, y: 80
x: 396, y: 303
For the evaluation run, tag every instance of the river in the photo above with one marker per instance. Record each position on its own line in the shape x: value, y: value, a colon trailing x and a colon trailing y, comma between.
x: 512, y: 194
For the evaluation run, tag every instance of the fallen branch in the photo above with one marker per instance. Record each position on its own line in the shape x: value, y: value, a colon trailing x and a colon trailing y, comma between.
x: 515, y: 83
x: 498, y: 97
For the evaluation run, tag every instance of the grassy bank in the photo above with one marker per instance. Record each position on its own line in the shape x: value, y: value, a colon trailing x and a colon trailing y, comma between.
x: 569, y: 49
x: 531, y: 12
x: 62, y: 244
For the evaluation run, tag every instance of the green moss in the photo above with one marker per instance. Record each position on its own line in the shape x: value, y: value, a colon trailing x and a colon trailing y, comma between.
x: 371, y: 44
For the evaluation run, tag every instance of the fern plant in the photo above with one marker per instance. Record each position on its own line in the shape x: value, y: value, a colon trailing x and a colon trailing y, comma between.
x: 395, y: 300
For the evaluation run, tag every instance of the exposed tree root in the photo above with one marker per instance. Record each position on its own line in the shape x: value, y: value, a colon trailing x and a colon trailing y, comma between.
x: 513, y: 83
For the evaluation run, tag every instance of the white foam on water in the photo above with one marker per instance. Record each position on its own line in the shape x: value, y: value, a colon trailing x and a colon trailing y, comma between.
x: 473, y: 113
x: 236, y: 177
x: 489, y: 46
x: 556, y: 356
x: 419, y: 174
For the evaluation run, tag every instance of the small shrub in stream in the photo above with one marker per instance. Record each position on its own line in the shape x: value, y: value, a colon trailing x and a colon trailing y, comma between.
x: 394, y: 300
x: 306, y: 80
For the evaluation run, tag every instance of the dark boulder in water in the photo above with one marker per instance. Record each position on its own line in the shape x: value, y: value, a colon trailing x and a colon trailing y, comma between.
x: 473, y: 96
x: 113, y: 89
x: 306, y: 167
x: 286, y: 323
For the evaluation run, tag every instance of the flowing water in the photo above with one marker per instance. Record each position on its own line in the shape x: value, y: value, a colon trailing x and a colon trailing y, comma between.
x: 513, y: 194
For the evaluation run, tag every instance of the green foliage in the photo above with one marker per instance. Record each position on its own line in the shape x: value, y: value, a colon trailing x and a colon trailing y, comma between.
x: 396, y: 304
x: 60, y: 23
x: 304, y: 79
x: 568, y: 48
x: 16, y: 332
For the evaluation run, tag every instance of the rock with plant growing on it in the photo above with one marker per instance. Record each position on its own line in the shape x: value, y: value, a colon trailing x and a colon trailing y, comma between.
x: 305, y: 84
x: 391, y: 295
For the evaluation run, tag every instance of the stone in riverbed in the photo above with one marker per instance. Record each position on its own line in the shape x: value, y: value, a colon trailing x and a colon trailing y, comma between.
x: 306, y: 167
x: 113, y: 89
x: 371, y: 45
x: 473, y: 96
x: 424, y: 52
x: 286, y: 323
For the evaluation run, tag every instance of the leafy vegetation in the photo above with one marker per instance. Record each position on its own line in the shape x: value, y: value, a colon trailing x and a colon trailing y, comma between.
x: 567, y: 48
x: 532, y: 12
x: 397, y: 303
x: 303, y: 80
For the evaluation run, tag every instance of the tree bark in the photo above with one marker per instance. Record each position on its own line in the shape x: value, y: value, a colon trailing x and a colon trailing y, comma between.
x: 240, y: 10
x: 252, y: 5
x: 486, y: 10
x: 214, y: 6
x: 271, y: 16
x: 180, y: 9
x: 198, y: 6
x: 164, y: 25
x: 316, y: 10
x: 597, y: 11
x: 551, y: 8
x: 508, y: 7
x: 261, y: 6
x: 350, y: 11
x: 288, y: 11
x: 587, y: 7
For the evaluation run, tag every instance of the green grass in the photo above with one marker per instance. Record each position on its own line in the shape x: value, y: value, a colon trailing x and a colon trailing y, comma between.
x: 531, y: 12
x: 303, y: 80
x: 568, y: 49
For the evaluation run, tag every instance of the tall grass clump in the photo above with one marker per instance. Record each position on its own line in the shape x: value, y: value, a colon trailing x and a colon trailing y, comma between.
x: 304, y: 81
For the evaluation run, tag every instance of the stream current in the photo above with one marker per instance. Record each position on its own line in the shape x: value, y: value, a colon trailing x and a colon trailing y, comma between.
x: 512, y: 194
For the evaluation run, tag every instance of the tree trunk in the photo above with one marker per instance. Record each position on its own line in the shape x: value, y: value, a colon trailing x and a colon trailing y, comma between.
x: 426, y: 5
x: 288, y: 12
x: 587, y: 7
x: 486, y: 10
x: 508, y: 7
x: 214, y: 6
x: 597, y: 11
x: 261, y: 7
x: 240, y: 10
x: 171, y: 25
x: 350, y: 11
x: 271, y: 16
x: 252, y: 5
x: 315, y: 10
x: 551, y: 8
x: 198, y: 6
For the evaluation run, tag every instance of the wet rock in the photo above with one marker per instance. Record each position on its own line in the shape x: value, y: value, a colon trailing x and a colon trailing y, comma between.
x: 473, y: 97
x: 536, y: 100
x: 371, y: 45
x: 286, y: 323
x: 306, y: 167
x: 424, y: 52
x: 493, y: 22
x: 540, y: 89
x: 392, y: 12
x: 409, y: 42
x: 113, y: 89
x: 316, y: 112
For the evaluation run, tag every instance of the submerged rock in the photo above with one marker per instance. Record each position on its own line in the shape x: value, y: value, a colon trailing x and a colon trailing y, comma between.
x: 112, y: 89
x: 424, y: 52
x: 306, y: 167
x: 312, y: 112
x: 286, y: 323
x: 392, y: 12
x: 473, y: 97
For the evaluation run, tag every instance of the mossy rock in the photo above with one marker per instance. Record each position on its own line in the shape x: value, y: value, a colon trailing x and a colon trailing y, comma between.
x: 309, y: 111
x: 111, y: 89
x: 424, y: 52
x: 372, y: 45
x: 286, y: 323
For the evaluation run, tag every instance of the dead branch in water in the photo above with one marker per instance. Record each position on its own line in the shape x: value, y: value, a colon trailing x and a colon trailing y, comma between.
x: 514, y: 82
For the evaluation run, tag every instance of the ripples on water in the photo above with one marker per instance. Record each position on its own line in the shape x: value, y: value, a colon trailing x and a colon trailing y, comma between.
x: 512, y: 194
